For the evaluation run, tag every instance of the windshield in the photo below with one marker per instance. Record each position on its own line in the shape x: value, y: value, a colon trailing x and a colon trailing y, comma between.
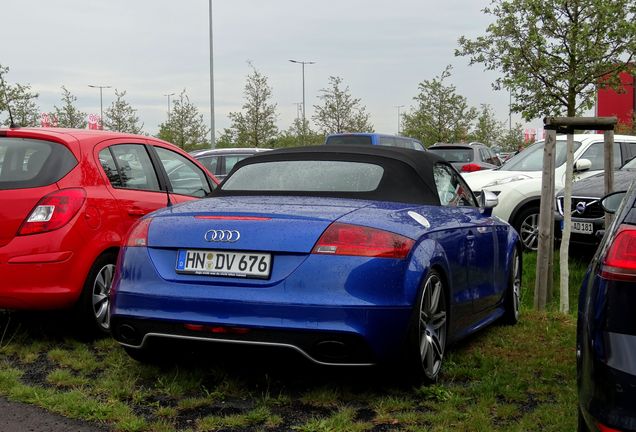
x: 531, y: 159
x: 630, y: 165
x: 454, y: 154
x: 306, y: 176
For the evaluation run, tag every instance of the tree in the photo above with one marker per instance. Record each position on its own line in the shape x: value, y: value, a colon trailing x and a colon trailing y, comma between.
x: 255, y: 126
x: 340, y: 112
x: 296, y: 136
x: 488, y: 129
x: 185, y: 127
x: 121, y: 117
x: 441, y: 115
x: 553, y: 53
x: 20, y: 99
x: 511, y: 140
x: 68, y: 116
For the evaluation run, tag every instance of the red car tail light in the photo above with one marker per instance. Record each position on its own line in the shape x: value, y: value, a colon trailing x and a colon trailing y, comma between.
x: 345, y: 239
x: 620, y: 260
x: 138, y: 234
x: 53, y: 211
x: 471, y: 167
x: 603, y: 428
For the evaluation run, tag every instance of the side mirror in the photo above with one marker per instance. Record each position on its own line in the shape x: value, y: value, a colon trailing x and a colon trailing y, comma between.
x: 612, y: 202
x: 487, y: 201
x: 582, y: 165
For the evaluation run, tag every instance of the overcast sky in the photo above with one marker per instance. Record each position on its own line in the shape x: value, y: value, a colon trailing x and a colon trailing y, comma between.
x: 149, y: 48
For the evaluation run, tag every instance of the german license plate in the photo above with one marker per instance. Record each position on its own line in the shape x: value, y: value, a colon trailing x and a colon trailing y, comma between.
x: 582, y: 227
x: 224, y: 263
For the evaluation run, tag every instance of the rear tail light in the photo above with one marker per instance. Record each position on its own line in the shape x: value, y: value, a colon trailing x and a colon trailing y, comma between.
x: 603, y: 428
x: 53, y: 211
x: 470, y: 167
x: 345, y: 239
x: 620, y: 260
x: 138, y: 234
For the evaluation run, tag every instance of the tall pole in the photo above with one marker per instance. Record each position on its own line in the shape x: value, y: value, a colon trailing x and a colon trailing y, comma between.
x: 212, y: 133
x: 398, y: 118
x: 510, y: 111
x: 303, y: 63
x: 169, y: 94
x: 101, y: 105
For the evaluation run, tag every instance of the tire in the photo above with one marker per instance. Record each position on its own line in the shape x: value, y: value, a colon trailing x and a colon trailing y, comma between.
x: 93, y: 307
x: 426, y: 342
x: 512, y: 297
x: 527, y: 225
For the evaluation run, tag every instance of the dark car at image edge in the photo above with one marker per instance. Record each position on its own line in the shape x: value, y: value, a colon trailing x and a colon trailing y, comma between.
x: 606, y: 328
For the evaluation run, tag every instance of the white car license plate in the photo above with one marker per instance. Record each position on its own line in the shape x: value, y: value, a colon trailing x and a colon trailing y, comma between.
x: 224, y: 263
x: 582, y: 227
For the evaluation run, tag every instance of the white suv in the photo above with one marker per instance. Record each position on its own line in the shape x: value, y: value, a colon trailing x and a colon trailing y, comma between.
x: 517, y: 183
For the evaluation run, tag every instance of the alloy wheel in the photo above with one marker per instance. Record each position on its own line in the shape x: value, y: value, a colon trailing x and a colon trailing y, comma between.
x: 529, y: 231
x: 516, y: 284
x: 100, y: 298
x: 432, y: 326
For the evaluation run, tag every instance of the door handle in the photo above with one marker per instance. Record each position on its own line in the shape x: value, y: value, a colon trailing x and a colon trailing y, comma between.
x: 136, y: 211
x: 470, y: 238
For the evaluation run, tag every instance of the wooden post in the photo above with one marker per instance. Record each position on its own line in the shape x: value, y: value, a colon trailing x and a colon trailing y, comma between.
x: 564, y: 292
x: 609, y: 169
x: 543, y: 285
x: 546, y: 218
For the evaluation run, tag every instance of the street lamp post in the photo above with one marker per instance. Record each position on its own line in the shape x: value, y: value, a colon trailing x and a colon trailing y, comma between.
x: 303, y: 63
x: 101, y: 105
x: 398, y: 118
x: 169, y: 94
x: 212, y: 134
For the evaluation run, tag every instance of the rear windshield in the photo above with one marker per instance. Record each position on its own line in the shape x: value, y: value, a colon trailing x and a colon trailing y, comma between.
x: 349, y: 139
x: 306, y: 176
x: 29, y: 163
x: 454, y: 154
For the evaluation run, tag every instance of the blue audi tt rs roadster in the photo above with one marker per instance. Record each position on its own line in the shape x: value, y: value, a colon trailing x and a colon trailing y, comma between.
x: 348, y: 255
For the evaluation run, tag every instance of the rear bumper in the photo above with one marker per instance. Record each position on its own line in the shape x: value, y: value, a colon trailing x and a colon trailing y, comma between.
x: 610, y: 399
x: 607, y: 388
x: 39, y: 285
x: 365, y: 317
x: 319, y: 346
x: 43, y: 271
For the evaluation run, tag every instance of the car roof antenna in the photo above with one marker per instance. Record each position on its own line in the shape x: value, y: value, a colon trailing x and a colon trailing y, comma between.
x: 12, y: 124
x: 169, y: 204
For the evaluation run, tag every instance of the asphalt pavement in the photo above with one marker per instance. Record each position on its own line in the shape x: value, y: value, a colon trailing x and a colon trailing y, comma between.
x: 19, y: 417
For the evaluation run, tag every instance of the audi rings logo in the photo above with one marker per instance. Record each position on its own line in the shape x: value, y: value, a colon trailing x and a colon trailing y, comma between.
x: 227, y: 236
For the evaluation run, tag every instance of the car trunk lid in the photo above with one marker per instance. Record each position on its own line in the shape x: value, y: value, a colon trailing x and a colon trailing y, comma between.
x: 273, y: 224
x: 17, y: 207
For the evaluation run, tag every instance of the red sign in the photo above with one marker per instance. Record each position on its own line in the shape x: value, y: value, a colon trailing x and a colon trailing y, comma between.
x: 94, y: 122
x: 620, y: 104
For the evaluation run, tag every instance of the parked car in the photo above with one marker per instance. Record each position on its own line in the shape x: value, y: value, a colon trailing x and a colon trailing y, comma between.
x: 349, y: 255
x: 467, y: 157
x: 606, y: 329
x: 374, y: 139
x: 68, y: 197
x: 221, y: 161
x: 517, y: 182
x: 588, y: 217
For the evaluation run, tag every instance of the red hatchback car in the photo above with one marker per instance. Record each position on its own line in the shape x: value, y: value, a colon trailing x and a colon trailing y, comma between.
x: 67, y: 199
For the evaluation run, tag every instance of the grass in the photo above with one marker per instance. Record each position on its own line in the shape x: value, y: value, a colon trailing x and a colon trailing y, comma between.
x: 505, y: 378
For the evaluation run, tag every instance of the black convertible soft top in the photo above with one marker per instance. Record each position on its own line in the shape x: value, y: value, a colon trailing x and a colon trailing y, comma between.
x: 408, y: 174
